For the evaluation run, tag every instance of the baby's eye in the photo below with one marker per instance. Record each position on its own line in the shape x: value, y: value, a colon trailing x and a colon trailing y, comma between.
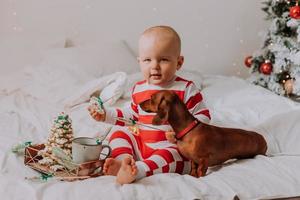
x: 147, y: 60
x: 164, y: 59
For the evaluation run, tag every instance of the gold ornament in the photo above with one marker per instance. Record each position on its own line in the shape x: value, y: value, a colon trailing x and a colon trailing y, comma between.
x: 134, y: 129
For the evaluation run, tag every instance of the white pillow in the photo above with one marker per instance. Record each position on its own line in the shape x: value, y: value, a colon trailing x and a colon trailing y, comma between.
x: 17, y: 52
x: 96, y: 60
x: 64, y: 69
x: 283, y: 132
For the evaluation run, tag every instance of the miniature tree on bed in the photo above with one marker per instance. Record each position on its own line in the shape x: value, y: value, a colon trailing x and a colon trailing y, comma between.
x: 276, y: 66
x: 61, y: 135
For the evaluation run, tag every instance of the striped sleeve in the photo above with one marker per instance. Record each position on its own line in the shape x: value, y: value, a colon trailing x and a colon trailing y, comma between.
x: 130, y: 111
x: 195, y: 104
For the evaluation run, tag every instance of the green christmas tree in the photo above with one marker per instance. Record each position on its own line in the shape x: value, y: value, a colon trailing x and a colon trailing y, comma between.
x: 61, y: 135
x: 276, y: 66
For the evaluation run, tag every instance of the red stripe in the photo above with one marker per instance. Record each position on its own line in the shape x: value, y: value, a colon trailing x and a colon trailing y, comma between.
x: 120, y: 114
x: 147, y: 119
x: 165, y: 154
x: 179, y: 167
x: 180, y: 94
x: 135, y: 118
x: 139, y: 97
x: 194, y: 100
x: 165, y: 169
x: 151, y: 164
x: 181, y: 79
x: 122, y: 135
x: 141, y: 82
x: 204, y: 112
x: 120, y: 123
x: 150, y: 173
x: 121, y: 150
x: 152, y: 135
x: 134, y: 108
x: 176, y: 148
x: 132, y: 91
x: 189, y: 83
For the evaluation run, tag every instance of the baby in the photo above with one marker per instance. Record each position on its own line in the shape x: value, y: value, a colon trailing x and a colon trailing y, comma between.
x: 141, y: 152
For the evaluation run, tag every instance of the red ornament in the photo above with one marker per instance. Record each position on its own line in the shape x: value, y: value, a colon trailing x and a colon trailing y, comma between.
x: 295, y: 12
x: 266, y: 67
x: 248, y: 61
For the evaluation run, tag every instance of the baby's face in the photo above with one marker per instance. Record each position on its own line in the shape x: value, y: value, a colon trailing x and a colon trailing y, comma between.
x: 159, y: 59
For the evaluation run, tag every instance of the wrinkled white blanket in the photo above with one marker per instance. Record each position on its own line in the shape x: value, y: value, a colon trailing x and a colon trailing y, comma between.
x: 233, y: 103
x: 111, y: 88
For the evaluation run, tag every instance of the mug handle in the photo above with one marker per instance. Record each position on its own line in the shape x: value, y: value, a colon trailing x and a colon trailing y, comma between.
x: 109, y: 151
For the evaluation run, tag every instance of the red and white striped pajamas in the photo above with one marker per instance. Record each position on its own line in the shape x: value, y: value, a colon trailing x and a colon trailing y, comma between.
x: 150, y: 148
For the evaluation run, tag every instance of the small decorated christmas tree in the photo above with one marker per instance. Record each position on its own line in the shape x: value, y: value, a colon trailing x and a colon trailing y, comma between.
x: 276, y: 66
x: 61, y: 135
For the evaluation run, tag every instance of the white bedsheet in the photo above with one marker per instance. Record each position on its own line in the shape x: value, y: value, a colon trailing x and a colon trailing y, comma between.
x: 233, y: 103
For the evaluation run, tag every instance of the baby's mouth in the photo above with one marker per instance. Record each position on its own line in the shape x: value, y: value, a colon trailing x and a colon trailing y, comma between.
x: 155, y: 75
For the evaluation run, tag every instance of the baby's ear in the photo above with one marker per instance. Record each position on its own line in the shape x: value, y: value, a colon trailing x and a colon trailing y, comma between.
x: 180, y: 62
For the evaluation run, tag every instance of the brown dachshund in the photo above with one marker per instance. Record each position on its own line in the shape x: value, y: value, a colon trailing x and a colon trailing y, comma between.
x: 205, y: 145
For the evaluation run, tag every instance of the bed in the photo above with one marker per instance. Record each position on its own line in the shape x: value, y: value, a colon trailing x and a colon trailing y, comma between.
x: 63, y: 80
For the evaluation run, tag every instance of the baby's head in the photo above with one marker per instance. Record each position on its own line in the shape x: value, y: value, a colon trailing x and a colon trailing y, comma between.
x: 159, y: 54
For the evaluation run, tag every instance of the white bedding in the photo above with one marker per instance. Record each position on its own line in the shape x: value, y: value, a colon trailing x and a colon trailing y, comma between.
x: 26, y: 116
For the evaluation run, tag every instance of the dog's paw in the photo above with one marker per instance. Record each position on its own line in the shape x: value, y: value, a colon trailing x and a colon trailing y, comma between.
x: 170, y: 135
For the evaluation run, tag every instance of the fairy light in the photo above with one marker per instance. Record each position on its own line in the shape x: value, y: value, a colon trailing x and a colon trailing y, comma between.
x: 15, y: 26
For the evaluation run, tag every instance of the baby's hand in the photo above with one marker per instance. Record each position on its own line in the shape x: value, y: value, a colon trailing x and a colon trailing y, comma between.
x: 95, y: 114
x: 96, y: 109
x: 170, y: 135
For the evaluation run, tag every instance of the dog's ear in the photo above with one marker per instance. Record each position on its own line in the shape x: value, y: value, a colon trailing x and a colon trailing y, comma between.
x: 162, y: 113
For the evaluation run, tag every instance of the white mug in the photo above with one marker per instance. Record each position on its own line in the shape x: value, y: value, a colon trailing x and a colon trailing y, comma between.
x: 86, y: 149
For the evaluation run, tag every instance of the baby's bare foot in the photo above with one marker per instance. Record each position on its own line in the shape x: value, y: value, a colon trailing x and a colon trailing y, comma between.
x: 111, y: 166
x: 128, y: 171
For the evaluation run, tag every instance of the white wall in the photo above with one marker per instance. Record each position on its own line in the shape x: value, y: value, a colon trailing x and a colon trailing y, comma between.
x: 216, y: 35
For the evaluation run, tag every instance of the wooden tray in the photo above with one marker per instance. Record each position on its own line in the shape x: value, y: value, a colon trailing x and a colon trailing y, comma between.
x: 83, y: 171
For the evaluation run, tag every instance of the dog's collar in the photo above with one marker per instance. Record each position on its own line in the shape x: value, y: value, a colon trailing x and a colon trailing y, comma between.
x: 187, y: 129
